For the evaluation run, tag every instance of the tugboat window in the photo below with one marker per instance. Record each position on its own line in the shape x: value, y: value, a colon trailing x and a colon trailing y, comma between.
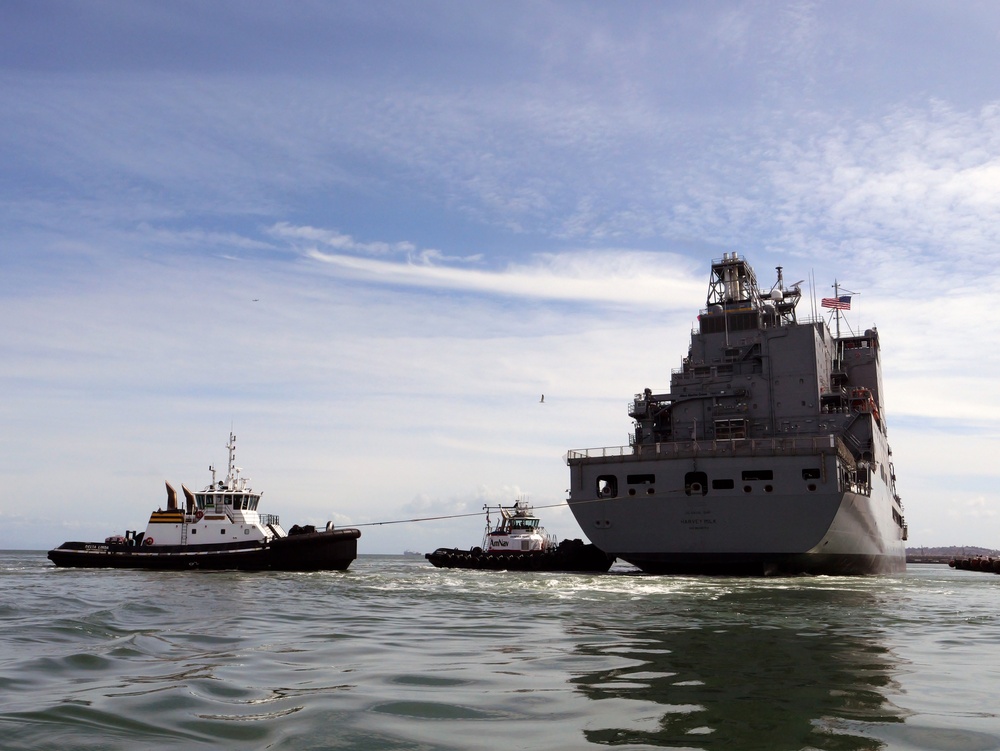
x: 812, y: 473
x: 607, y: 486
x: 723, y: 484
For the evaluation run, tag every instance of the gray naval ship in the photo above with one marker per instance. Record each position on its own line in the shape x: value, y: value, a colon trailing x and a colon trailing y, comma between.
x: 767, y: 457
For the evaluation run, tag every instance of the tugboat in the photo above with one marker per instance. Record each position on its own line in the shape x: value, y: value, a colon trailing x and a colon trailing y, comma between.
x: 768, y: 455
x: 520, y: 543
x: 218, y: 529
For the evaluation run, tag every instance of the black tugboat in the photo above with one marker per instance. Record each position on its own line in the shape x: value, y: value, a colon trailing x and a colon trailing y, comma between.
x: 218, y: 529
x: 520, y: 543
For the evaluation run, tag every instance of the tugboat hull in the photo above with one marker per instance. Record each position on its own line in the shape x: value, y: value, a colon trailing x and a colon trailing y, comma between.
x: 570, y: 556
x: 332, y: 550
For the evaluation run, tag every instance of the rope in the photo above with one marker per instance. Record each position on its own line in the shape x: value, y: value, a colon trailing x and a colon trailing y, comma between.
x: 480, y: 513
x: 437, y: 518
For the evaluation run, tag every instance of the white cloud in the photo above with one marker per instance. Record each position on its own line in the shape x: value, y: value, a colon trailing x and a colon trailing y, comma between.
x: 619, y: 278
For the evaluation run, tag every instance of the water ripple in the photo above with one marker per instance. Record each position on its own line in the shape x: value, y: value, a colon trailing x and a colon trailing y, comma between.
x: 395, y: 654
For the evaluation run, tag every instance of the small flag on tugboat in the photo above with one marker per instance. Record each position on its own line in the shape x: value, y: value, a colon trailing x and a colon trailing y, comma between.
x: 838, y: 303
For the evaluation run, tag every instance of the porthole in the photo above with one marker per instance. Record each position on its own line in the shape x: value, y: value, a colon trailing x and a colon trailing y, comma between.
x: 768, y: 488
x: 650, y: 491
x: 812, y: 486
x: 747, y: 489
x: 631, y: 491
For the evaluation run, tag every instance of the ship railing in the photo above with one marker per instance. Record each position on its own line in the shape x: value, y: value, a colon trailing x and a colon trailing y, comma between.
x: 790, y: 445
x: 266, y: 519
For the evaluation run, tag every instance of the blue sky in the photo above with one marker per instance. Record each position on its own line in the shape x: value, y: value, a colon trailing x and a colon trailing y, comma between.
x: 368, y: 235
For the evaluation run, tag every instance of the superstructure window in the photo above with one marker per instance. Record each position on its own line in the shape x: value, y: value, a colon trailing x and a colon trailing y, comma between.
x: 723, y: 484
x: 758, y: 474
x: 607, y: 486
x: 726, y: 430
x: 810, y: 473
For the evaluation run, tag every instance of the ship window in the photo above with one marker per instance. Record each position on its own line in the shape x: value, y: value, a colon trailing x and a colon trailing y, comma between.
x: 194, y: 531
x: 723, y: 484
x: 732, y: 428
x: 222, y: 531
x: 757, y: 474
x: 607, y: 486
x: 810, y: 473
x: 641, y: 479
x: 696, y: 483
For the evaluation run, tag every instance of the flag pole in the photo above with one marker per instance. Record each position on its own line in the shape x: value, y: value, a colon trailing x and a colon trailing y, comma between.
x: 836, y: 295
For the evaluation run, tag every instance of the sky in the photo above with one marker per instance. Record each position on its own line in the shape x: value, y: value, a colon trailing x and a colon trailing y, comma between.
x: 367, y: 237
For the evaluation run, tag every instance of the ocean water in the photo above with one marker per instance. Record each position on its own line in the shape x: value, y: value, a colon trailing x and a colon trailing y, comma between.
x: 395, y: 654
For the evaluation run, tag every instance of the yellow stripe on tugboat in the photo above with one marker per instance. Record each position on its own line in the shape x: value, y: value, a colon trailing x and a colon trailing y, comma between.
x: 166, y: 517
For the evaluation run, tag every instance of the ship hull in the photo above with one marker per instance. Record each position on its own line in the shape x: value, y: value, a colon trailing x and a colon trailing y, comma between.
x: 332, y: 550
x: 799, y: 520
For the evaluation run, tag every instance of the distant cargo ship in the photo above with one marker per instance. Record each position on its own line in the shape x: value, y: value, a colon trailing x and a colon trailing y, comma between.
x: 767, y: 456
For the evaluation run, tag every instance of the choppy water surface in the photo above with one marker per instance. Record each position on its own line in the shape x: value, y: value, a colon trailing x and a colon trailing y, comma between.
x: 394, y: 654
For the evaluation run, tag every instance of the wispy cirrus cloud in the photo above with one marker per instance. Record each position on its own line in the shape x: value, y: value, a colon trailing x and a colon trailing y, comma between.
x: 611, y: 276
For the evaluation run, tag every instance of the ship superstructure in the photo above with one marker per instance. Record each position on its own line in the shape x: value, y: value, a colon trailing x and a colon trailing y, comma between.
x: 768, y: 455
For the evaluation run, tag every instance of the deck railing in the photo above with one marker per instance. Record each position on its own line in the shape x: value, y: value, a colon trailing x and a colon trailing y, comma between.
x: 733, y: 447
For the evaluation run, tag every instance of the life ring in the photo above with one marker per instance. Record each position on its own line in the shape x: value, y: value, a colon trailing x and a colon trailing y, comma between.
x: 148, y: 541
x: 198, y: 514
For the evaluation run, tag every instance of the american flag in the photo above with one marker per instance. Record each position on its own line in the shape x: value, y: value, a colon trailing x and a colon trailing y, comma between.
x: 838, y: 303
